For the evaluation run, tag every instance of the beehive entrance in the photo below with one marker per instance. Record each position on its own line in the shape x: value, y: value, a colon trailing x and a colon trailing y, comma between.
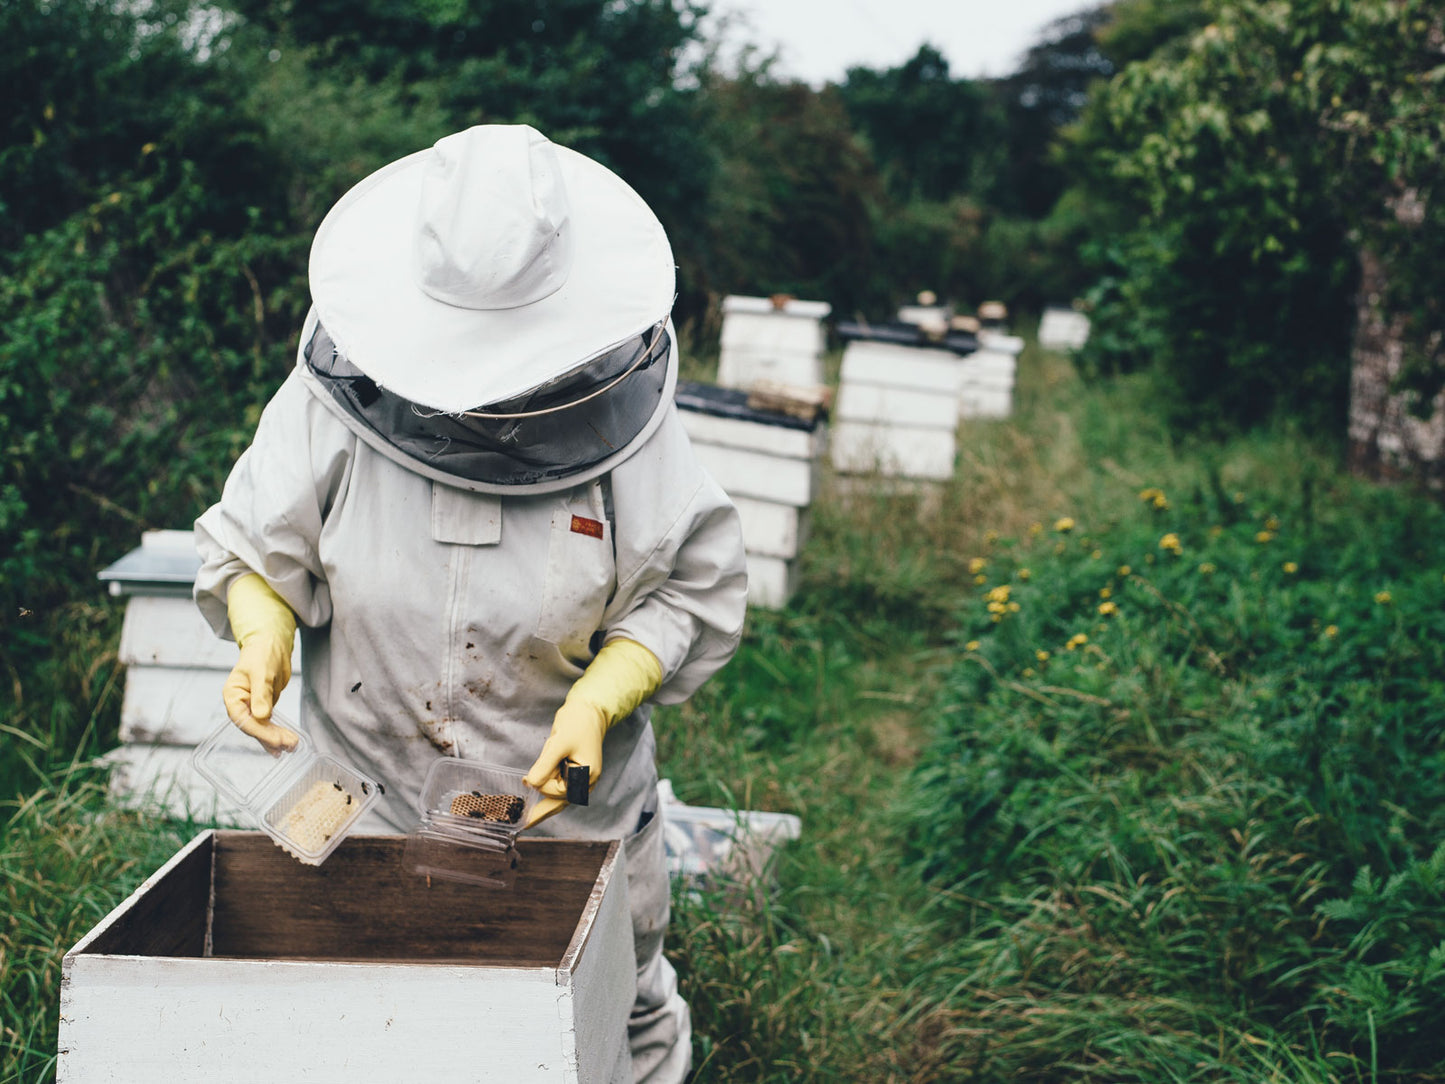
x: 249, y: 900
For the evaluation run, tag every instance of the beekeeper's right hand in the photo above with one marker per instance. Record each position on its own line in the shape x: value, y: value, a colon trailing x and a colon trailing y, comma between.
x: 265, y: 630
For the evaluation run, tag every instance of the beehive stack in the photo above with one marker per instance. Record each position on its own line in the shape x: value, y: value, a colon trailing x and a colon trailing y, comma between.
x: 897, y: 411
x: 175, y: 668
x: 779, y: 340
x: 768, y: 462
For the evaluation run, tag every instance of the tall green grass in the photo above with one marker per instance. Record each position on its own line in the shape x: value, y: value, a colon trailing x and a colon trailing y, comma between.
x: 1202, y: 844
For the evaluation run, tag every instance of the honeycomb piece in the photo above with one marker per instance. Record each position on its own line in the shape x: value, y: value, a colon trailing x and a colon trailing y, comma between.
x: 318, y: 814
x: 490, y: 807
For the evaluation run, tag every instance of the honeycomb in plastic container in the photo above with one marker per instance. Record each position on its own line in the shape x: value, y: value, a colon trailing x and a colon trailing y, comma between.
x: 318, y: 814
x: 492, y: 807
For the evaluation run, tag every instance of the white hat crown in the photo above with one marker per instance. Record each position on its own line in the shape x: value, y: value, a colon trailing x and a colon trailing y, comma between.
x: 493, y: 224
x: 486, y: 265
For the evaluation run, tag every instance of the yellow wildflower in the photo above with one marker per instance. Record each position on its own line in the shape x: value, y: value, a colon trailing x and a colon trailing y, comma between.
x: 980, y: 579
x: 976, y: 565
x: 972, y: 645
x: 1332, y: 631
x: 1064, y: 524
x: 1124, y: 570
x: 1024, y: 574
x: 1264, y: 536
x: 999, y: 593
x: 1028, y: 671
x: 1271, y: 524
x: 1207, y: 568
x: 1013, y: 607
x: 1290, y: 567
x: 990, y: 536
x: 1097, y: 555
x: 997, y: 607
x: 1036, y: 528
x: 1076, y: 640
x: 1104, y: 592
x: 1384, y: 598
x: 1108, y: 609
x: 1042, y: 656
x: 1171, y: 543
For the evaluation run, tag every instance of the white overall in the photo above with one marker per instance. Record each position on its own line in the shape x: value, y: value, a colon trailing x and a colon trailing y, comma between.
x: 438, y: 621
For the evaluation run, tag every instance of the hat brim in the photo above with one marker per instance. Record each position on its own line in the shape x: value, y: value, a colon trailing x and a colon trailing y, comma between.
x: 365, y: 292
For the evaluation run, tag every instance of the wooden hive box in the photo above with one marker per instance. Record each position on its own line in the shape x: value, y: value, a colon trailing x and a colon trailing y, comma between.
x: 764, y: 341
x: 175, y: 668
x: 1063, y: 329
x: 986, y: 389
x: 897, y: 411
x: 769, y: 465
x: 234, y: 963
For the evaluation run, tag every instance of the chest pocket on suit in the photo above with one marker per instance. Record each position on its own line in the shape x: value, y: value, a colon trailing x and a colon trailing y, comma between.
x: 581, y: 572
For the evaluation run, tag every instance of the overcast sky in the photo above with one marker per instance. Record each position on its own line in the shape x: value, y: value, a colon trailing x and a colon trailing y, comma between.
x: 818, y: 40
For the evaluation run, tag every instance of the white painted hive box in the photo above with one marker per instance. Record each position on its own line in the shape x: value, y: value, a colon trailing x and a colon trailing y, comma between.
x: 769, y: 464
x: 175, y: 669
x: 235, y: 964
x: 1063, y: 329
x: 782, y: 344
x: 986, y: 386
x: 897, y: 411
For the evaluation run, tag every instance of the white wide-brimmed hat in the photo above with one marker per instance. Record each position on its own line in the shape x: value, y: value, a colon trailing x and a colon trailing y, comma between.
x: 487, y: 265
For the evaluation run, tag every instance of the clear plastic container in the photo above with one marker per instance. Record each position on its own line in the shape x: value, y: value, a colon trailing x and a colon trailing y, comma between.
x: 471, y: 813
x: 306, y: 801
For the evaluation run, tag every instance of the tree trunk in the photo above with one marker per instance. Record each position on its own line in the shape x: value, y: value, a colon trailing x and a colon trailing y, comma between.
x: 1387, y: 441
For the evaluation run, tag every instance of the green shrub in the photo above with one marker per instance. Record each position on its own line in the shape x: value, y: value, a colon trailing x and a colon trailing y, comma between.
x: 1198, y: 755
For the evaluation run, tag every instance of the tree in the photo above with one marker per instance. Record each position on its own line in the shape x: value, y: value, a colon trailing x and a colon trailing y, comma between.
x: 1047, y: 93
x: 604, y: 77
x: 795, y: 198
x: 932, y: 136
x: 1247, y: 168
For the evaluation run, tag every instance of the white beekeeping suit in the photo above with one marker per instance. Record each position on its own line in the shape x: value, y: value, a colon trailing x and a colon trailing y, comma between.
x: 474, y: 479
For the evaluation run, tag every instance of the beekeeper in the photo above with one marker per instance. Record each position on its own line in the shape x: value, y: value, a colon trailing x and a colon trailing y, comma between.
x: 474, y: 497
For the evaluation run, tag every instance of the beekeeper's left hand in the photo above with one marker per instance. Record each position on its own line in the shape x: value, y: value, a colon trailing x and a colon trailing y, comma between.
x: 621, y: 676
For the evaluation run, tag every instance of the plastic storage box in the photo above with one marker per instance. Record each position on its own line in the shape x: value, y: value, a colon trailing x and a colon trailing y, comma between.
x: 471, y: 813
x: 305, y: 801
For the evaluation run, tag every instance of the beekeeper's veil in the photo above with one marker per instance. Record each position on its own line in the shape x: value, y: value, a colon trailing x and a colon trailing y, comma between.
x: 493, y: 311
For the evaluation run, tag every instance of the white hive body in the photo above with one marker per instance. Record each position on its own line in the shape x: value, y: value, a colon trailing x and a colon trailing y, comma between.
x: 234, y: 964
x: 986, y: 384
x: 1063, y: 329
x: 175, y: 669
x: 768, y: 341
x: 769, y: 463
x: 897, y: 411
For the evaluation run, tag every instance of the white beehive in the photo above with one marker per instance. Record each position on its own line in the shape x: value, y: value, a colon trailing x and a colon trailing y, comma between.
x: 986, y: 384
x: 175, y: 668
x: 769, y: 464
x: 764, y: 341
x: 1063, y: 329
x: 233, y: 964
x: 897, y: 411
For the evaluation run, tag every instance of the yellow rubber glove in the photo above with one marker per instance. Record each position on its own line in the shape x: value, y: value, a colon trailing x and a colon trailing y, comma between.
x: 265, y: 630
x: 621, y: 676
